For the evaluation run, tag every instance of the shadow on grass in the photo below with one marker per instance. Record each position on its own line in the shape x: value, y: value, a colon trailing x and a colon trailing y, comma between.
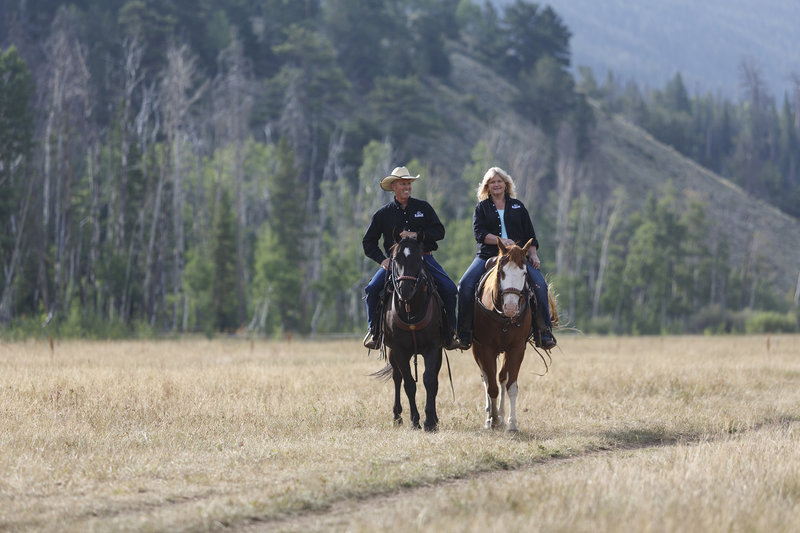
x: 640, y: 437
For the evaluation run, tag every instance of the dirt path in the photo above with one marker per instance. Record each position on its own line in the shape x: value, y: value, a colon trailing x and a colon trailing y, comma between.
x: 373, y: 509
x: 370, y: 513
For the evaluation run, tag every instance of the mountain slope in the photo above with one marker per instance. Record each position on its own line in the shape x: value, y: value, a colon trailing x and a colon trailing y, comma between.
x: 624, y: 156
x: 631, y: 158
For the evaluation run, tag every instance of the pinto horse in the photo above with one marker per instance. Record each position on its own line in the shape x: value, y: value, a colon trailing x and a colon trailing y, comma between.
x: 412, y: 324
x: 502, y: 324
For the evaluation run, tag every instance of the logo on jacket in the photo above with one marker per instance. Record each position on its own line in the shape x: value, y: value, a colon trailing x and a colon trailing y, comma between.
x: 515, y: 206
x: 418, y: 214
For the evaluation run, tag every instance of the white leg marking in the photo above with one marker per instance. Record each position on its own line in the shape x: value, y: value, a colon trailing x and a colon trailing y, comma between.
x: 501, y: 409
x: 486, y: 390
x: 513, y: 390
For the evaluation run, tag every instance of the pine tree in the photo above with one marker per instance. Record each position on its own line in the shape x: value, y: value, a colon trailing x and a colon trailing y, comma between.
x: 223, y: 252
x: 16, y: 132
x: 279, y: 261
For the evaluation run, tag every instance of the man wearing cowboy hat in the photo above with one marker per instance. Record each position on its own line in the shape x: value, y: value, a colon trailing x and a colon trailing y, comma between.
x: 416, y: 219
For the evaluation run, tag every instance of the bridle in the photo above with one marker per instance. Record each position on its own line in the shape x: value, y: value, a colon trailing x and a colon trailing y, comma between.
x: 521, y: 294
x: 421, y: 276
x: 496, y: 312
x: 418, y: 322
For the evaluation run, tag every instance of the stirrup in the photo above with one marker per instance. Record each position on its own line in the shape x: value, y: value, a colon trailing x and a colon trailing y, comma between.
x: 370, y: 341
x: 454, y: 343
x: 464, y: 341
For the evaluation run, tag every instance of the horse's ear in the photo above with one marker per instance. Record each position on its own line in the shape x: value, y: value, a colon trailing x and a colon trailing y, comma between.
x: 503, y: 249
x: 420, y: 236
x: 527, y: 246
x: 396, y: 234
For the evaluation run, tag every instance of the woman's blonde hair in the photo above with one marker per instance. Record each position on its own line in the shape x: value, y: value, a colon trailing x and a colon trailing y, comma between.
x: 483, y: 188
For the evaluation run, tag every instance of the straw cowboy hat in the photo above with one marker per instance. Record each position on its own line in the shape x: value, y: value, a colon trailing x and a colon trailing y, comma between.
x: 399, y: 173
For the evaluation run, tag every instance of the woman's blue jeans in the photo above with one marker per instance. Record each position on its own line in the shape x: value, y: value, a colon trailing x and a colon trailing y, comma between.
x: 466, y: 295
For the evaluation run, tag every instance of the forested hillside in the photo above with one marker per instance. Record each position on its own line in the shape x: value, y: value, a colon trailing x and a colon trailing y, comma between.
x: 180, y: 166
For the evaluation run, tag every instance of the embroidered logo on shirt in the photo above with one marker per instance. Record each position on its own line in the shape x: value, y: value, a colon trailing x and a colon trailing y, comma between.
x: 515, y: 206
x: 418, y: 214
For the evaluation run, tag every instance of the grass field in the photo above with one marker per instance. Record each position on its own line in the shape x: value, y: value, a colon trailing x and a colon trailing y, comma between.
x: 622, y: 434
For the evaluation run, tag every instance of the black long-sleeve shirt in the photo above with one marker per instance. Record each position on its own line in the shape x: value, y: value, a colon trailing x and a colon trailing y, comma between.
x: 418, y: 216
x: 486, y: 220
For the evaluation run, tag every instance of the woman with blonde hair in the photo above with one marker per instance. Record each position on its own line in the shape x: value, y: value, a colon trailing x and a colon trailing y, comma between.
x: 500, y: 216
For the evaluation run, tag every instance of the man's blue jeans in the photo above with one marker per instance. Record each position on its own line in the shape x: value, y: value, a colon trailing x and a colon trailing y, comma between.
x: 447, y: 290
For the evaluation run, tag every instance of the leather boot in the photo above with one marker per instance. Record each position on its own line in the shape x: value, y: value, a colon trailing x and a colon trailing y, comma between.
x: 548, y: 341
x: 455, y: 343
x: 464, y: 340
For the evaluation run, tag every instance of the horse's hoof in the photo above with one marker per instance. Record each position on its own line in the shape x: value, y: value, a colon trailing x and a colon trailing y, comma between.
x: 416, y: 425
x: 514, y: 431
x: 432, y: 428
x: 397, y: 422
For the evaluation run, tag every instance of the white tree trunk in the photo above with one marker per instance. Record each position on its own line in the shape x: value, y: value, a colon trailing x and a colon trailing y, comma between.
x: 603, y: 264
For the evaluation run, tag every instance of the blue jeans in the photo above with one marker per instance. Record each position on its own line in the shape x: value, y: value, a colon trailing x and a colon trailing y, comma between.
x: 466, y: 295
x: 447, y: 290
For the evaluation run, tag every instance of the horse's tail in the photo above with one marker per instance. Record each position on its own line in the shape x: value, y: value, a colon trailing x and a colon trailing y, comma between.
x: 552, y: 299
x: 384, y: 374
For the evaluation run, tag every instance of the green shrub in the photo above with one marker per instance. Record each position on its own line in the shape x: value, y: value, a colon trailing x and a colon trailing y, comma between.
x: 771, y: 322
x: 709, y: 320
x: 603, y: 325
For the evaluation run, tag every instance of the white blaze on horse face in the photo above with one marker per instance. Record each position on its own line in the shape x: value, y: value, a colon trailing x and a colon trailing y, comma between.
x: 514, y: 279
x: 406, y: 252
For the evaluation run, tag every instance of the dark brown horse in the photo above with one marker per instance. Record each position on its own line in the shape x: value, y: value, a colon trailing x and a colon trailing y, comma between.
x: 412, y: 324
x: 502, y: 324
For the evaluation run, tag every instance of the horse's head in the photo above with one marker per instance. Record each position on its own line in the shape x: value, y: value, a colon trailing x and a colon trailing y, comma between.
x: 407, y: 268
x: 511, y: 272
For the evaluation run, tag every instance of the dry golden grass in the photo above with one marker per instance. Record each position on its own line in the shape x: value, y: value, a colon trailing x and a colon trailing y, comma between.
x: 647, y: 434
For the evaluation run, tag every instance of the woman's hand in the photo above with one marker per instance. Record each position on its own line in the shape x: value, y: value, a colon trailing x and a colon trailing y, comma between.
x: 533, y: 257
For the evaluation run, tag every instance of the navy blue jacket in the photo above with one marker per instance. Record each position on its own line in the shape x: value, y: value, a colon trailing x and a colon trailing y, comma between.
x: 418, y: 216
x: 486, y: 220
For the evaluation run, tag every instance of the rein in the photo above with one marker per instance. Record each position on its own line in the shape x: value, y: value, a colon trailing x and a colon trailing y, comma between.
x: 422, y: 279
x: 411, y: 324
x: 397, y: 279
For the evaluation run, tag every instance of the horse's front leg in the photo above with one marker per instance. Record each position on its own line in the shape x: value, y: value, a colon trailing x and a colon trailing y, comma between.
x: 513, y: 390
x: 512, y: 365
x: 488, y: 366
x: 397, y: 377
x: 410, y: 386
x: 433, y: 364
x: 501, y: 401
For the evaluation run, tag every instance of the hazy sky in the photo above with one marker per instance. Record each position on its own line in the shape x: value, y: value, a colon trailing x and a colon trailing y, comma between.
x: 651, y: 40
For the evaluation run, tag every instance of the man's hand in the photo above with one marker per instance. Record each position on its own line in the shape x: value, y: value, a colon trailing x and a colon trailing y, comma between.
x: 408, y: 234
x: 385, y: 264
